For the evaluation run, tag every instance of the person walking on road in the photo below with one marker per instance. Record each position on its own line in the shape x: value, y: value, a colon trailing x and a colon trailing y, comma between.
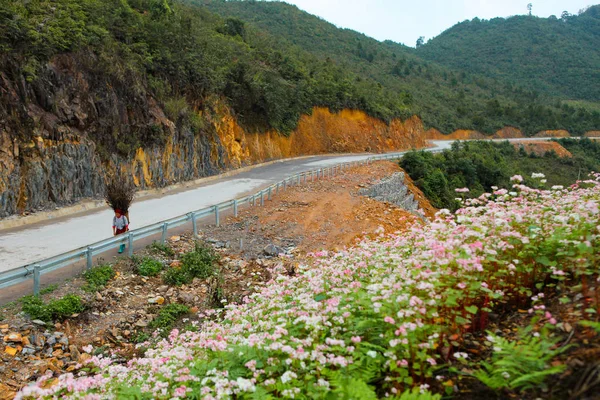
x: 120, y: 225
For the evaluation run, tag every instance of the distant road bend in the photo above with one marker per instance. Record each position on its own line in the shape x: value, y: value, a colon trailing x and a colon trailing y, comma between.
x: 32, y: 243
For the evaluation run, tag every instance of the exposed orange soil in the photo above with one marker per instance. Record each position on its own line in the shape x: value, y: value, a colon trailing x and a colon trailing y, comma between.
x: 330, y: 214
x: 507, y: 132
x: 557, y: 133
x: 541, y: 148
x: 348, y: 131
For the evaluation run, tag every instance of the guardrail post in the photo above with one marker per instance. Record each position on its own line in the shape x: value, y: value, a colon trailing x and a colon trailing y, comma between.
x: 270, y: 193
x: 130, y: 243
x: 262, y: 198
x: 89, y: 258
x: 284, y: 184
x: 217, y: 221
x: 235, y: 210
x: 194, y: 225
x: 163, y: 238
x: 298, y: 180
x: 36, y: 279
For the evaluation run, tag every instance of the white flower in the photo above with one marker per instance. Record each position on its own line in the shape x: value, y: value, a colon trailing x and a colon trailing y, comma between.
x: 506, y: 375
x: 537, y: 175
x: 288, y: 376
x: 245, y: 385
x: 322, y: 382
x: 372, y: 354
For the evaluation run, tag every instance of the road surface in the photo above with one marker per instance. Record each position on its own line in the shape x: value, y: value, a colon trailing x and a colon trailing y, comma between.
x: 32, y: 243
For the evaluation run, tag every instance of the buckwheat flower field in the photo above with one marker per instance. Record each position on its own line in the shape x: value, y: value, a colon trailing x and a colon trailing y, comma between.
x: 377, y: 320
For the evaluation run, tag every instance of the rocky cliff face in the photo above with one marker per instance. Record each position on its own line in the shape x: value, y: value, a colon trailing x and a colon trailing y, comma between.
x: 62, y: 134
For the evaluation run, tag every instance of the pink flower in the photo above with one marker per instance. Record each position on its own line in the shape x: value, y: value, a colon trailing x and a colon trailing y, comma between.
x: 389, y: 320
x: 516, y: 178
x: 431, y: 361
x: 355, y: 339
x: 180, y: 391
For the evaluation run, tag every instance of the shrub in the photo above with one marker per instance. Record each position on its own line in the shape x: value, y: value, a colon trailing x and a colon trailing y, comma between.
x: 98, y: 277
x: 149, y: 267
x: 176, y: 276
x: 199, y: 263
x: 35, y: 308
x: 167, y: 316
x: 55, y: 310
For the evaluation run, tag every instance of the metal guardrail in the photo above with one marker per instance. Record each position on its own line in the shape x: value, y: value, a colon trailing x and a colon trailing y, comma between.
x: 35, y: 270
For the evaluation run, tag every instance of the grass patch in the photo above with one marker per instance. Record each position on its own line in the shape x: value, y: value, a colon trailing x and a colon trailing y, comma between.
x: 48, y: 289
x: 97, y: 277
x: 149, y: 267
x: 167, y: 317
x: 199, y: 263
x: 163, y: 249
x: 55, y: 310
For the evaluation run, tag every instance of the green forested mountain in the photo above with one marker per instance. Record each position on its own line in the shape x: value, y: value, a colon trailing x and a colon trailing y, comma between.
x: 179, y: 54
x: 556, y: 56
x: 447, y: 98
x: 269, y: 60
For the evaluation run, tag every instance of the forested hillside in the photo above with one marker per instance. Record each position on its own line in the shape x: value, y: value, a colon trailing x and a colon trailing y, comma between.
x: 182, y: 55
x: 555, y: 56
x: 445, y: 98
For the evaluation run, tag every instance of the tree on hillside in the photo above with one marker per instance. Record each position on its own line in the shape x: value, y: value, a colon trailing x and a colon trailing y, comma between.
x: 420, y: 41
x: 529, y: 7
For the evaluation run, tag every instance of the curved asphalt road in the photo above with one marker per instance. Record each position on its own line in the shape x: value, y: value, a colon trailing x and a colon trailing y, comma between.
x: 29, y: 244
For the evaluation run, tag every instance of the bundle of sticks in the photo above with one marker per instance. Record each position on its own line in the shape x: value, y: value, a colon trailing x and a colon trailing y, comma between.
x: 119, y: 195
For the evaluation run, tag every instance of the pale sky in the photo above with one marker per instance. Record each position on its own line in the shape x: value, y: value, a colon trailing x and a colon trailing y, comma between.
x: 404, y: 21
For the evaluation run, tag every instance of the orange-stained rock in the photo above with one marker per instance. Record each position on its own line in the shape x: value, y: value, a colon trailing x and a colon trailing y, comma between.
x: 11, y: 351
x: 349, y: 131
